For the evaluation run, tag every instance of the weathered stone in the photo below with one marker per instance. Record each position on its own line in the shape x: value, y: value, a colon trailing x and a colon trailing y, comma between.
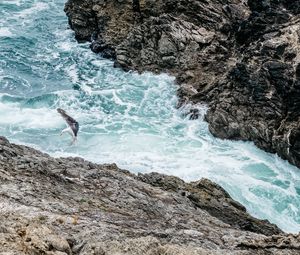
x: 244, y: 56
x: 71, y: 206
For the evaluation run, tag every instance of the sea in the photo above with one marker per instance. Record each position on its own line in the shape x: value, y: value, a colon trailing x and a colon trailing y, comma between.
x: 125, y: 118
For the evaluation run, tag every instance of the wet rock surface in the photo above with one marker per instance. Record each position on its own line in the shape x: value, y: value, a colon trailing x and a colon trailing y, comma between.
x: 242, y: 58
x: 71, y: 206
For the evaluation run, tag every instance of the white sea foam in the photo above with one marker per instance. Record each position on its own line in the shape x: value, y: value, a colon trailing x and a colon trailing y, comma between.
x: 34, y: 9
x: 12, y: 2
x: 13, y: 115
x: 86, y: 89
x: 72, y: 72
x: 5, y: 32
x: 65, y: 46
x: 129, y: 119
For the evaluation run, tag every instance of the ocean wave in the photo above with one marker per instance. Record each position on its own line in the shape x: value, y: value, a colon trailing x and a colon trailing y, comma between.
x: 125, y: 117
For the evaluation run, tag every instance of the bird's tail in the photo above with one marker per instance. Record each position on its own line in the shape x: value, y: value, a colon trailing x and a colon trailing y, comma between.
x: 74, y: 140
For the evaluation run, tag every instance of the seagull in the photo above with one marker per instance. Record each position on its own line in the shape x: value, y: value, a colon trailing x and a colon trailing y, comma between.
x: 73, y: 125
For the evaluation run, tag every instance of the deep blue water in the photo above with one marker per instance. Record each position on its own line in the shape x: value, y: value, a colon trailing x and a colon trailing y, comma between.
x: 126, y: 118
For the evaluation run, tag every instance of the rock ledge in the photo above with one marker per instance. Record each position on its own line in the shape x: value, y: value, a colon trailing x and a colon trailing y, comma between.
x: 60, y: 206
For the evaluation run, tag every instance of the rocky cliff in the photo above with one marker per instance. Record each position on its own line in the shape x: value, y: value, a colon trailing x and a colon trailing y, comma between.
x: 60, y: 206
x: 242, y: 58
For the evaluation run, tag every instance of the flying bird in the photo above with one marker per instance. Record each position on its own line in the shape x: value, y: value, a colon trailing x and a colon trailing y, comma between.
x: 73, y: 125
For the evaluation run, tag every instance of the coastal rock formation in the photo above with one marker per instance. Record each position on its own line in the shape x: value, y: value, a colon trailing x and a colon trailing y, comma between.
x: 242, y: 58
x: 60, y: 206
x: 264, y: 100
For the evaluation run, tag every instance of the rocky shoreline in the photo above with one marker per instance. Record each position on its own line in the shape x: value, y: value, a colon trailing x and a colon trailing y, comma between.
x: 59, y: 206
x: 241, y: 58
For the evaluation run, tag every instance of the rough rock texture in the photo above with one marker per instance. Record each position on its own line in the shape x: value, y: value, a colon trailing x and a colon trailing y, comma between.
x: 207, y: 196
x: 240, y: 57
x: 264, y: 102
x: 60, y: 206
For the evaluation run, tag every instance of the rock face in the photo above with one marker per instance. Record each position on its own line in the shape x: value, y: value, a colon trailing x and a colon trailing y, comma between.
x: 240, y: 57
x: 264, y: 102
x: 59, y: 206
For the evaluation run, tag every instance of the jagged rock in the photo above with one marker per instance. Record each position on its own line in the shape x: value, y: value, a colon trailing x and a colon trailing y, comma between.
x: 243, y: 57
x: 37, y: 239
x: 59, y: 206
x: 212, y: 198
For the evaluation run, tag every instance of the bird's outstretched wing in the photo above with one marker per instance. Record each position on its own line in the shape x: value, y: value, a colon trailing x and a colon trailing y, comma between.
x: 73, y: 124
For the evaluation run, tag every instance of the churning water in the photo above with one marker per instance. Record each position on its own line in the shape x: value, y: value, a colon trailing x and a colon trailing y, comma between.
x: 126, y: 118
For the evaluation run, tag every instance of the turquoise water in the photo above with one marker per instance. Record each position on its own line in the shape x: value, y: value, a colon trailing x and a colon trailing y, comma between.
x: 125, y: 118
